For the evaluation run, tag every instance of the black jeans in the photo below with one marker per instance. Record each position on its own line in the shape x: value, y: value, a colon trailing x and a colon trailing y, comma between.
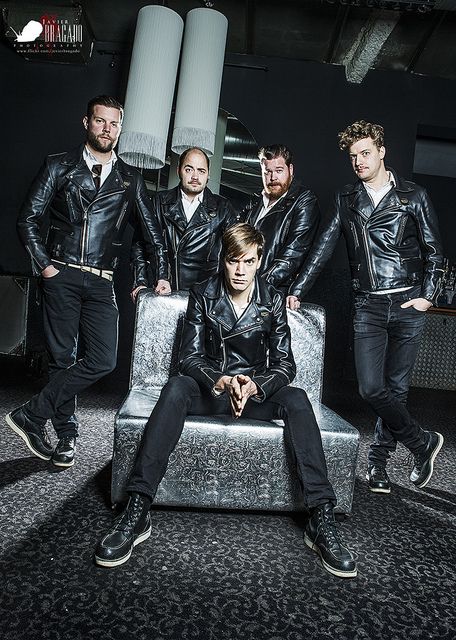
x: 386, y: 340
x: 74, y: 301
x: 182, y: 396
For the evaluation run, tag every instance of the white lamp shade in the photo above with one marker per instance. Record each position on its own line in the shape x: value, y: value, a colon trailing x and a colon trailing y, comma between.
x: 200, y: 79
x: 150, y: 90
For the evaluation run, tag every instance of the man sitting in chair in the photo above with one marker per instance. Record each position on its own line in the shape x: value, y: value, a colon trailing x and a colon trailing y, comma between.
x: 235, y: 358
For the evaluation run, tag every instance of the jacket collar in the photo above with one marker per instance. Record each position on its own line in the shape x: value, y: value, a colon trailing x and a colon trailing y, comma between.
x: 119, y: 178
x: 174, y: 211
x: 222, y: 309
x: 283, y: 204
x: 361, y: 202
x: 401, y: 185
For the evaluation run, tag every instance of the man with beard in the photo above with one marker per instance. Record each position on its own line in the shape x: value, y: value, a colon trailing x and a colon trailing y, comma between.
x: 193, y: 220
x: 286, y: 213
x: 89, y: 195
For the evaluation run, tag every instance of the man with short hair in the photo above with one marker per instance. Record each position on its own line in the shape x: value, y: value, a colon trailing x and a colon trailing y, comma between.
x: 193, y: 220
x: 286, y: 213
x: 245, y: 372
x: 392, y: 237
x: 88, y: 196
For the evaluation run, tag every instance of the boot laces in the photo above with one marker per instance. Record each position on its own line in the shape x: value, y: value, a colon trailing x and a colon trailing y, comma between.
x: 44, y: 434
x: 328, y: 527
x: 129, y: 518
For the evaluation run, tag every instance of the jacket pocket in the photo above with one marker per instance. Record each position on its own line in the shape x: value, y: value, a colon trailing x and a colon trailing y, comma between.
x: 73, y: 213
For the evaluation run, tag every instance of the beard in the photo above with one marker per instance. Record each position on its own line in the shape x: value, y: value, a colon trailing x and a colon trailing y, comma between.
x: 276, y: 191
x: 102, y: 145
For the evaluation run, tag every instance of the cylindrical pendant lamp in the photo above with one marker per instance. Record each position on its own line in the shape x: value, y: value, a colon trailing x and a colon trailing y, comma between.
x: 150, y: 90
x: 215, y: 174
x: 200, y: 79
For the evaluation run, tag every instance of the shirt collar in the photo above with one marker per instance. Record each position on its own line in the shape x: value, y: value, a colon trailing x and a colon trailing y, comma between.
x: 198, y: 198
x: 391, y: 183
x: 90, y: 158
x: 266, y: 202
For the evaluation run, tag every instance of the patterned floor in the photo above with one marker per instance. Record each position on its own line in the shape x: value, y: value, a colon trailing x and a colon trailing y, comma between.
x: 221, y: 575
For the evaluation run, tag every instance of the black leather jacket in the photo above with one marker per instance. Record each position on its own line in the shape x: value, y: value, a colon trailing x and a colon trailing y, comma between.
x: 193, y: 247
x: 289, y: 228
x: 216, y: 343
x: 396, y: 244
x: 86, y: 226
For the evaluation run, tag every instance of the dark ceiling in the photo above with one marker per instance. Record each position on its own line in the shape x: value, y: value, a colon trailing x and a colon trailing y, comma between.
x: 412, y: 36
x: 417, y: 36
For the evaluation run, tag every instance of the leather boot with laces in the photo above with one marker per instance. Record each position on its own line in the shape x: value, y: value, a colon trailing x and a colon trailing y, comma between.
x: 129, y: 529
x: 322, y: 536
x: 32, y: 433
x: 63, y: 455
x: 424, y: 463
x: 377, y: 480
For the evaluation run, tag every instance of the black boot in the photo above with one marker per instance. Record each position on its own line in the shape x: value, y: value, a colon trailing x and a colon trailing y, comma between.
x: 378, y: 480
x: 129, y: 529
x: 63, y: 455
x: 33, y: 434
x: 424, y: 463
x: 321, y: 536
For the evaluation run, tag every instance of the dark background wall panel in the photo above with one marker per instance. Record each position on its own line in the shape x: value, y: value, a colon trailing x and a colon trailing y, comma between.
x: 303, y: 104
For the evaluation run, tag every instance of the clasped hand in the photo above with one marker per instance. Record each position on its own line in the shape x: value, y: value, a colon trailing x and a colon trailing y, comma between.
x: 239, y: 389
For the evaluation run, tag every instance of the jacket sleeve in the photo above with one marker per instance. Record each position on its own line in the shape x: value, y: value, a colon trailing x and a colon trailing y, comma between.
x: 32, y: 216
x: 138, y: 261
x: 192, y: 353
x: 431, y: 247
x: 281, y: 366
x: 300, y: 235
x: 319, y: 255
x: 152, y: 247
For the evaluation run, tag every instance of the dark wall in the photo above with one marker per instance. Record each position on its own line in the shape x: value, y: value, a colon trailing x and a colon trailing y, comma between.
x: 299, y: 103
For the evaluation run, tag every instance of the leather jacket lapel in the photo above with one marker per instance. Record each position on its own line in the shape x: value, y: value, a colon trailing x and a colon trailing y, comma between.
x: 114, y: 182
x: 82, y: 177
x: 175, y: 215
x: 361, y: 203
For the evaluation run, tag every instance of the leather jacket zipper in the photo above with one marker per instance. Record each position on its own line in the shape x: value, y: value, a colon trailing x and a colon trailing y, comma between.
x: 368, y: 260
x: 84, y: 235
x: 355, y: 235
x: 400, y: 233
x: 70, y: 206
x: 122, y: 216
x: 224, y: 355
x: 176, y: 268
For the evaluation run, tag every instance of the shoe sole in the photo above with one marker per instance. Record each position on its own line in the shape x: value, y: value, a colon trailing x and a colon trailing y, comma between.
x: 10, y: 422
x: 328, y: 567
x: 433, y: 457
x: 377, y: 490
x: 115, y: 563
x: 62, y: 464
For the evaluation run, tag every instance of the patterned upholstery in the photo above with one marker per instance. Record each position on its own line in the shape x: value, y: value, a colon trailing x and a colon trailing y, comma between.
x: 221, y: 462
